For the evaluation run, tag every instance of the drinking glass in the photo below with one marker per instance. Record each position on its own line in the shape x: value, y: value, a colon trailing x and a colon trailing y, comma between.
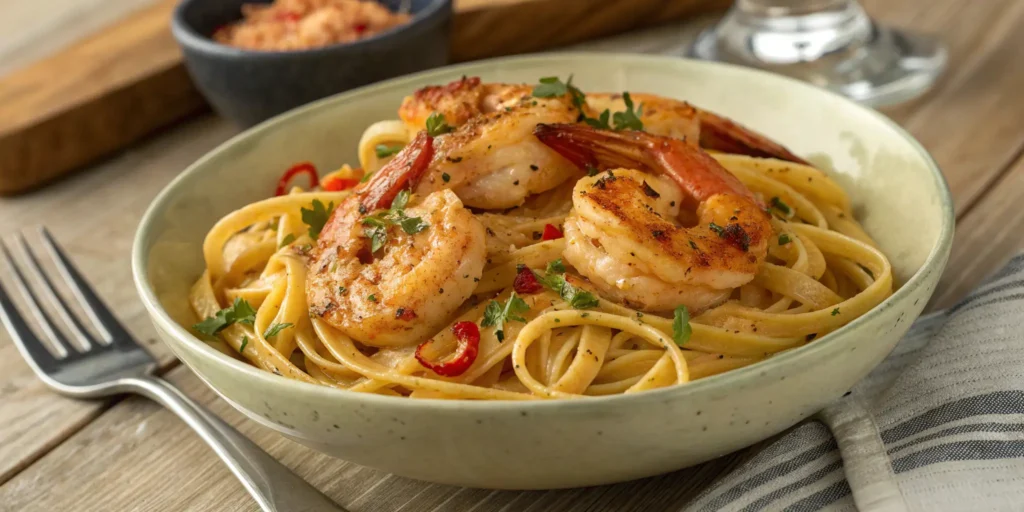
x: 830, y: 43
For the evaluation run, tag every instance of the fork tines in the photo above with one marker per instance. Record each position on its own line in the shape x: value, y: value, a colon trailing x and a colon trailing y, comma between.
x: 55, y: 321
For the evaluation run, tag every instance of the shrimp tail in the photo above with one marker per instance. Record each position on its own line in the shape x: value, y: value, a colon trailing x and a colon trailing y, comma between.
x: 401, y: 173
x: 695, y: 171
x: 722, y: 134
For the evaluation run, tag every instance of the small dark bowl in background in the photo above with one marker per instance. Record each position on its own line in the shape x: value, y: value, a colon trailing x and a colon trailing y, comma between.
x: 249, y: 86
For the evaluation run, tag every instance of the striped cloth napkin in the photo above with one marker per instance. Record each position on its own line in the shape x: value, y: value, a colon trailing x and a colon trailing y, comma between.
x: 938, y: 426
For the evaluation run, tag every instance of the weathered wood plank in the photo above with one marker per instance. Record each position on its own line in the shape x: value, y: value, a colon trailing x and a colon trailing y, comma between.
x: 94, y: 215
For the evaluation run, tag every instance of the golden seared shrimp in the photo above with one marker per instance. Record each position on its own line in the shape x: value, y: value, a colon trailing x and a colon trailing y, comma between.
x: 624, y: 233
x: 673, y: 118
x: 492, y: 160
x: 461, y: 101
x: 409, y: 288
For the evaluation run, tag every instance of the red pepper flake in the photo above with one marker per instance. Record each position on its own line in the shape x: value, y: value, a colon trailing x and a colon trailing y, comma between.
x: 288, y: 16
x: 405, y: 314
x: 468, y: 335
x: 526, y: 282
x: 551, y: 233
x: 335, y: 184
x: 300, y: 168
x: 360, y: 28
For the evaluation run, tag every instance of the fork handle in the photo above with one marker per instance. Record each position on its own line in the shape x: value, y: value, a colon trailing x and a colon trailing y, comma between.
x: 274, y: 487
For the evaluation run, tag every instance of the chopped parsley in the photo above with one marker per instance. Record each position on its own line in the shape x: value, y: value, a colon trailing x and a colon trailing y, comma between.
x: 384, y: 151
x: 592, y: 171
x: 628, y: 119
x: 497, y: 314
x: 238, y: 312
x: 779, y: 205
x: 835, y: 311
x: 681, y: 329
x: 377, y: 225
x: 556, y: 267
x: 552, y: 87
x: 371, y: 297
x: 437, y: 125
x: 342, y: 290
x: 274, y: 329
x: 577, y: 298
x: 784, y: 239
x: 245, y: 341
x: 317, y: 217
x: 289, y: 238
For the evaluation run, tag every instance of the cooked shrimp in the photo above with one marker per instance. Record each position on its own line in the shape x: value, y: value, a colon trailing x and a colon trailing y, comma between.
x: 409, y: 289
x: 491, y: 160
x: 624, y: 234
x: 678, y: 119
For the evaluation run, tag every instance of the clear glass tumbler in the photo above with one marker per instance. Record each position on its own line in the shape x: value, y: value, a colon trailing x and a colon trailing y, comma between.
x: 830, y: 43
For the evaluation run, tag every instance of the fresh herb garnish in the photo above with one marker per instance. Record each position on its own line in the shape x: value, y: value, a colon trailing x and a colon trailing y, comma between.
x: 835, y: 311
x: 317, y: 217
x: 591, y: 170
x: 497, y: 314
x: 245, y: 341
x: 556, y: 267
x: 384, y: 151
x: 681, y: 329
x: 577, y: 298
x: 289, y: 238
x: 628, y: 119
x: 784, y: 239
x: 342, y: 290
x: 779, y: 205
x: 371, y: 297
x: 274, y: 329
x: 437, y: 125
x: 366, y: 177
x: 377, y: 225
x: 238, y: 312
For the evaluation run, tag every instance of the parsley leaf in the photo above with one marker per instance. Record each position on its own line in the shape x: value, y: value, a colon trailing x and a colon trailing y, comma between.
x: 317, y: 217
x: 436, y: 125
x: 384, y: 151
x: 782, y: 207
x: 681, y: 329
x: 377, y: 225
x: 289, y: 238
x: 239, y: 312
x: 592, y: 171
x: 245, y: 341
x: 497, y: 314
x: 577, y: 298
x: 550, y: 87
x: 835, y: 311
x: 274, y: 329
x: 784, y: 239
x: 629, y: 119
x: 600, y: 122
x: 556, y: 267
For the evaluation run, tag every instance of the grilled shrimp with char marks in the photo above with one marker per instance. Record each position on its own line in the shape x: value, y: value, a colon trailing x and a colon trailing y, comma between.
x: 408, y: 289
x: 681, y: 120
x: 624, y: 233
x: 491, y: 160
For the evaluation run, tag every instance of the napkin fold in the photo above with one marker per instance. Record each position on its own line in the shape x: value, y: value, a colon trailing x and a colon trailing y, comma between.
x: 937, y: 427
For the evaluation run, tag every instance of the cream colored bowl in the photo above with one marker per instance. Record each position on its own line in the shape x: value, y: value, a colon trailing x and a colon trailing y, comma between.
x: 898, y: 192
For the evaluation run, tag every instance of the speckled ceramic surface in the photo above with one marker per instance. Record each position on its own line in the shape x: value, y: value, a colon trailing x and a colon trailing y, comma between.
x: 249, y: 86
x: 898, y: 193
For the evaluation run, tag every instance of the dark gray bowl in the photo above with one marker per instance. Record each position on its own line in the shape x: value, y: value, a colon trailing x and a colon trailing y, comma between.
x: 250, y: 86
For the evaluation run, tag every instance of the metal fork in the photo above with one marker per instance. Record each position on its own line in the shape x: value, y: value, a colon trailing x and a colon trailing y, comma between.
x: 116, y: 364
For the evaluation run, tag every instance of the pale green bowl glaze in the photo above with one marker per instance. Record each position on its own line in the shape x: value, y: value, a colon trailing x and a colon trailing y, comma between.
x: 898, y: 192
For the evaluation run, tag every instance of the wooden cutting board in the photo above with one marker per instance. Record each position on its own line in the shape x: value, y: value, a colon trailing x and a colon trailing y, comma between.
x: 126, y: 82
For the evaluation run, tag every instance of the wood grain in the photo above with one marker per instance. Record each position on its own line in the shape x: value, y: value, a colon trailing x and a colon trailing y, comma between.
x: 126, y: 82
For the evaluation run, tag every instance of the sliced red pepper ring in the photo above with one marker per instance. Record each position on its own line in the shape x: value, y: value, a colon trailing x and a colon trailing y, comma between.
x: 551, y: 233
x: 526, y: 282
x: 300, y: 168
x: 468, y: 335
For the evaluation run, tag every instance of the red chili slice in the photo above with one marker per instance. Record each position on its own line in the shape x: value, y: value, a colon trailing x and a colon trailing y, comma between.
x: 526, y: 281
x: 338, y: 184
x: 551, y: 233
x: 300, y: 168
x: 468, y: 335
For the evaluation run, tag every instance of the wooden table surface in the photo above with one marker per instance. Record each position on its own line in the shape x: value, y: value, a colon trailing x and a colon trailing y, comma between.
x: 130, y: 454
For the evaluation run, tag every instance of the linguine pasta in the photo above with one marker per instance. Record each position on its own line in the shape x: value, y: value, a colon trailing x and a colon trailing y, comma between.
x: 562, y: 334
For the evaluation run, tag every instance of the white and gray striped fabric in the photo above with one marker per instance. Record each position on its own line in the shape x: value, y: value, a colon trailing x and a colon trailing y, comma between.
x: 939, y: 426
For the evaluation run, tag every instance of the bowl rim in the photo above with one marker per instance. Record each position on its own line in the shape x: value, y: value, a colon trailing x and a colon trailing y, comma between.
x: 189, y: 36
x: 936, y: 257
